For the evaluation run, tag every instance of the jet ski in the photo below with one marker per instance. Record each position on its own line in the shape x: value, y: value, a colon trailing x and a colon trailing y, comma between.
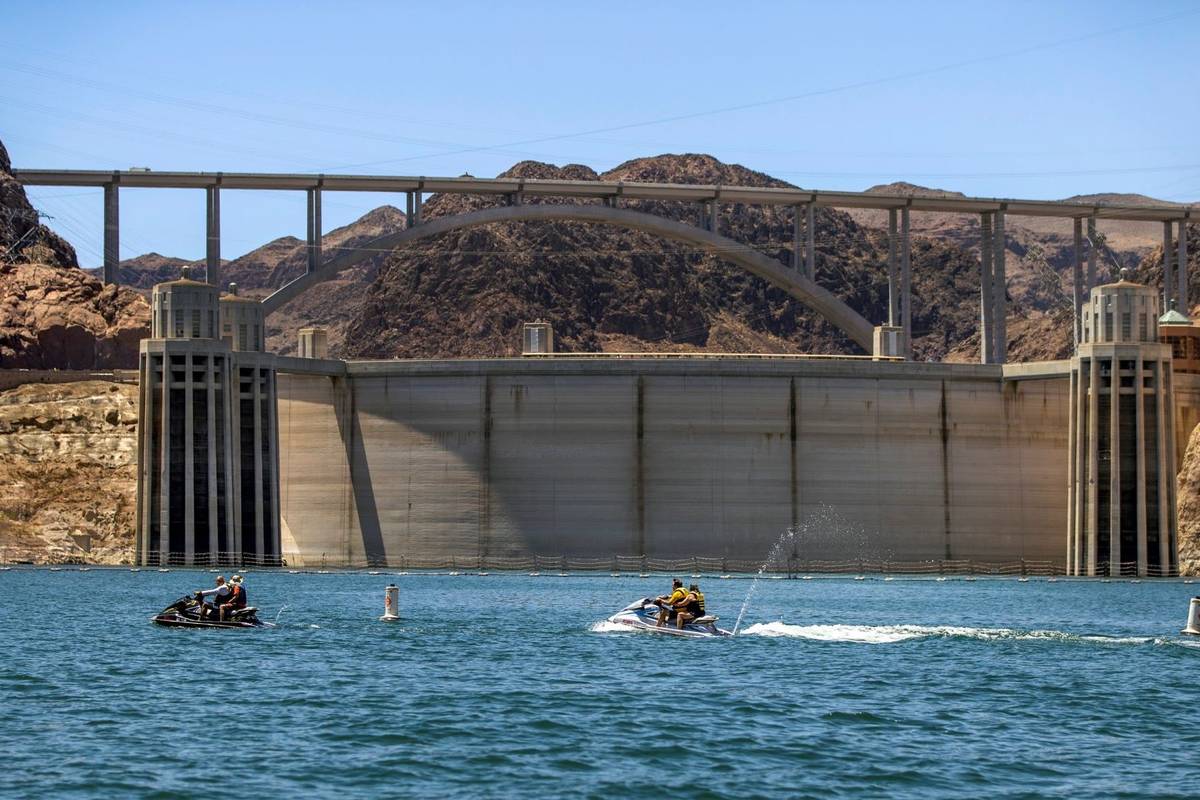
x: 185, y: 613
x: 643, y: 616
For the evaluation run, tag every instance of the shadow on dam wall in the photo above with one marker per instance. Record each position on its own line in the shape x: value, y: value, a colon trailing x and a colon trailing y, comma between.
x: 366, y: 510
x: 508, y: 459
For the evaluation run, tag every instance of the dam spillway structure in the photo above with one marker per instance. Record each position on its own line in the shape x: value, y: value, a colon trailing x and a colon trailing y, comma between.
x: 208, y: 473
x: 1121, y: 504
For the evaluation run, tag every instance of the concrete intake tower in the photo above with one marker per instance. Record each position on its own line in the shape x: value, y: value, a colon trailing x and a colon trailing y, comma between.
x: 208, y: 471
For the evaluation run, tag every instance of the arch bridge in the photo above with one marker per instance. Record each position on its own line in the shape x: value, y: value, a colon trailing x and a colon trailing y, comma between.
x: 796, y: 277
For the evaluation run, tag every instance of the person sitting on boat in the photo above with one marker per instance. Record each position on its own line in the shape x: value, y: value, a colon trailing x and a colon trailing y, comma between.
x: 671, y: 603
x: 237, y: 597
x: 693, y: 607
x: 219, y: 593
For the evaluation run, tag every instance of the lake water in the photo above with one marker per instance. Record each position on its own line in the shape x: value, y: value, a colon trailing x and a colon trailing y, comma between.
x: 502, y: 686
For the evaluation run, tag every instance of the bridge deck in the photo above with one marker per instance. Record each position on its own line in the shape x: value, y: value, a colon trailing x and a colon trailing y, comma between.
x: 599, y: 190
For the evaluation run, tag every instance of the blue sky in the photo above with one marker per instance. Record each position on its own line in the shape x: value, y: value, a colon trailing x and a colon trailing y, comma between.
x: 1012, y: 99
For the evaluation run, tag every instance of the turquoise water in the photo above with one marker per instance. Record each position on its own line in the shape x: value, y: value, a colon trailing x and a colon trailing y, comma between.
x: 499, y: 686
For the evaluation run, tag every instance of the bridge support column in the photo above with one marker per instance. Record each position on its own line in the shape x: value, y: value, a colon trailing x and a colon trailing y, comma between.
x: 714, y: 216
x: 112, y: 231
x: 893, y: 282
x: 212, y: 248
x: 986, y: 307
x: 798, y: 239
x: 810, y: 244
x: 906, y: 283
x: 418, y: 205
x: 408, y: 209
x: 1077, y: 289
x: 1181, y: 269
x: 1168, y: 277
x: 999, y: 294
x: 1092, y: 253
x: 314, y: 229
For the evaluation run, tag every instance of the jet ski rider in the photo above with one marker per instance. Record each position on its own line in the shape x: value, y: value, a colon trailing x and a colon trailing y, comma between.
x: 236, y: 600
x: 693, y: 607
x: 220, y: 594
x: 671, y: 603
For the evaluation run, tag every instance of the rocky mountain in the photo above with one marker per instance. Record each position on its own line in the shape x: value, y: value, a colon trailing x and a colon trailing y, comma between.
x: 148, y: 269
x: 54, y: 315
x: 466, y: 293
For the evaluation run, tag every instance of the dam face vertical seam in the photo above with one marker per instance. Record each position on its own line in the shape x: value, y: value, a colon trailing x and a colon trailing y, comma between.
x: 639, y: 543
x: 945, y: 474
x: 792, y: 432
x: 352, y: 505
x: 485, y: 473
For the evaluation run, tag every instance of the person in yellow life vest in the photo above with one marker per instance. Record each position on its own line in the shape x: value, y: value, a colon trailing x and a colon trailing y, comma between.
x: 693, y: 607
x: 671, y: 603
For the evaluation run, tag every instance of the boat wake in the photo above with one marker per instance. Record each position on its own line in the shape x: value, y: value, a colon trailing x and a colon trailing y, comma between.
x: 890, y: 634
x: 605, y: 626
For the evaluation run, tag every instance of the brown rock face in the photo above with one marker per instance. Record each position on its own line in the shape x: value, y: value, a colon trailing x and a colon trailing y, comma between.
x: 466, y: 293
x: 1188, y: 507
x: 22, y: 237
x: 68, y: 471
x: 54, y: 317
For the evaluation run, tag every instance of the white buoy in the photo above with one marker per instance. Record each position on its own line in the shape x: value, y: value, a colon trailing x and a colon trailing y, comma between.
x: 391, y: 603
x: 1193, y: 623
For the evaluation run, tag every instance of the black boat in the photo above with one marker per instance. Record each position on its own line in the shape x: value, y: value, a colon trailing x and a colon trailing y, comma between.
x: 188, y: 612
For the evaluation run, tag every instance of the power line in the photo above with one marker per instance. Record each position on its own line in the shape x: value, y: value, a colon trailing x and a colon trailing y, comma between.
x: 837, y: 89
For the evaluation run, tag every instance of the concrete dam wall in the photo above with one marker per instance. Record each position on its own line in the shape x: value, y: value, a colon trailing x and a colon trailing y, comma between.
x: 672, y: 458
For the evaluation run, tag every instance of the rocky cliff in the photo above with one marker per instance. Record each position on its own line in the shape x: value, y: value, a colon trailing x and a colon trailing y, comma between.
x: 22, y: 236
x: 54, y: 315
x: 1188, y: 506
x: 68, y: 471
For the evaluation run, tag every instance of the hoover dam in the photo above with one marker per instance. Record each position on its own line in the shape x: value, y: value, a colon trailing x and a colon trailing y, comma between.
x: 671, y: 458
x: 248, y: 457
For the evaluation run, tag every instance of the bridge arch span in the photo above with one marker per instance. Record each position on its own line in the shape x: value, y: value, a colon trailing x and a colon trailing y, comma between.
x: 798, y: 286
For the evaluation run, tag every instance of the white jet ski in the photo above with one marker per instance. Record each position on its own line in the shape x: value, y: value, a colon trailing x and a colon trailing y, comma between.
x: 643, y: 616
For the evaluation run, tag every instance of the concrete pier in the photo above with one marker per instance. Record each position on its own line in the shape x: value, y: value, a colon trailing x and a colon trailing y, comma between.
x: 1168, y: 275
x: 112, y: 231
x: 906, y: 281
x: 1181, y: 269
x: 1078, y: 291
x: 212, y: 240
x: 893, y: 318
x: 987, y: 308
x: 314, y: 230
x: 999, y: 293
